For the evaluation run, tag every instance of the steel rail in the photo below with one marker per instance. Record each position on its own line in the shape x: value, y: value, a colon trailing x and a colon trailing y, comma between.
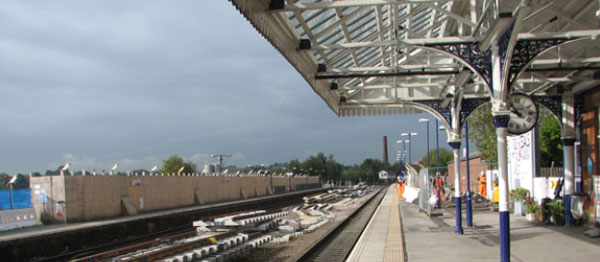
x: 337, y: 245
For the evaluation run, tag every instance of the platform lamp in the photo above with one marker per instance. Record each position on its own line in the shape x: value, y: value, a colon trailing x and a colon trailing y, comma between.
x: 410, y: 135
x: 425, y: 120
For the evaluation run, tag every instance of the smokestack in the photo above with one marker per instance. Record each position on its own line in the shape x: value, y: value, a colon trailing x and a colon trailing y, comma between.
x: 385, y: 153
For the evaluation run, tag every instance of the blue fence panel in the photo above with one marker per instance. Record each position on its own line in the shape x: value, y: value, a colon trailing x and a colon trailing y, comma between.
x: 21, y: 199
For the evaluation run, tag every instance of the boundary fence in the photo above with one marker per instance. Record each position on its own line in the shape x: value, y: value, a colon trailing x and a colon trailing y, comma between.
x: 21, y: 198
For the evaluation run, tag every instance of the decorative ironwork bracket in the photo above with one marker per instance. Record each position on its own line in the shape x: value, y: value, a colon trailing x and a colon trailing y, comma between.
x: 468, y: 106
x: 578, y: 107
x: 437, y: 106
x: 525, y: 51
x: 553, y: 103
x: 479, y: 60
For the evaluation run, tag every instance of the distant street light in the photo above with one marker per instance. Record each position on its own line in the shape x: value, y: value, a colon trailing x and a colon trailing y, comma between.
x: 220, y: 157
x: 403, y: 142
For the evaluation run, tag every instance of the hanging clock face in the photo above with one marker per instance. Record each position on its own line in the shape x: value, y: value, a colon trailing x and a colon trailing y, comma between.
x: 523, y: 114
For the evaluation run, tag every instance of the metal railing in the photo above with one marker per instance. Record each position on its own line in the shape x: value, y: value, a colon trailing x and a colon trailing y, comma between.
x: 425, y: 189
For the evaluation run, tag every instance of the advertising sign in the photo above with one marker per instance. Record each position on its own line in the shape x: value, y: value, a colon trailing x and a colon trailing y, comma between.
x: 521, y: 164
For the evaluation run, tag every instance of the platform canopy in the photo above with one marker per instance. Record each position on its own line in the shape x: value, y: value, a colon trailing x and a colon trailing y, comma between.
x: 366, y: 57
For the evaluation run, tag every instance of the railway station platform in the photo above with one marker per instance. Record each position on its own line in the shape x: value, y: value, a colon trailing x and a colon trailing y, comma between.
x: 398, y: 231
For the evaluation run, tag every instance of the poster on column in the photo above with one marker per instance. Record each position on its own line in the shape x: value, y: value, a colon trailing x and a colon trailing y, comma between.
x: 521, y: 165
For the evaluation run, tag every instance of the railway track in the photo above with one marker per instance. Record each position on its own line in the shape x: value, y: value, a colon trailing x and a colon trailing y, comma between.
x: 119, y: 246
x: 231, y: 236
x: 337, y: 245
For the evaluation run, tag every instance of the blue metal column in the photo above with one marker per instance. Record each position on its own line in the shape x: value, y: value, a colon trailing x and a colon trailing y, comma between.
x: 427, y: 145
x: 469, y: 214
x: 404, y: 152
x: 501, y: 116
x: 456, y: 150
x: 501, y: 122
x: 437, y: 170
x: 409, y: 149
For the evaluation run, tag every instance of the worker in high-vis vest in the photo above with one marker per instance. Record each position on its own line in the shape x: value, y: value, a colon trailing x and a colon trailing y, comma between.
x: 439, y: 186
x: 401, y: 181
x: 496, y: 196
x: 482, y: 185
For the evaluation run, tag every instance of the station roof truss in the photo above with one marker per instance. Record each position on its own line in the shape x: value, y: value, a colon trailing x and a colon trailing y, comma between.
x: 368, y: 57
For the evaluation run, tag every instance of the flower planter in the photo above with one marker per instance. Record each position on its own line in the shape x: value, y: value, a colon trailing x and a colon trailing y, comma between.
x: 531, y: 217
x: 557, y: 220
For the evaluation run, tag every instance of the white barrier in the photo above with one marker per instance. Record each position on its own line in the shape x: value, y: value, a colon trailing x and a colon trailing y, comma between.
x: 411, y: 193
x: 17, y: 218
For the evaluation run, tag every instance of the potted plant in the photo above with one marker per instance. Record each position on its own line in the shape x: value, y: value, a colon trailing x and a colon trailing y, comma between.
x: 532, y: 210
x: 557, y: 211
x: 519, y: 195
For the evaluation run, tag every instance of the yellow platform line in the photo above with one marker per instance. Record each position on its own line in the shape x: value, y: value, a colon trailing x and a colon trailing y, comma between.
x: 394, y: 248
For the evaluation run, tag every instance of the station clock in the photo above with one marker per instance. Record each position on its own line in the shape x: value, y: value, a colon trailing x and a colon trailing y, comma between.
x: 523, y: 113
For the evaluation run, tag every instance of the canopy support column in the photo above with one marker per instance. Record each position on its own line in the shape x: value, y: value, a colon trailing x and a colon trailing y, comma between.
x: 568, y: 141
x: 454, y: 142
x: 501, y: 116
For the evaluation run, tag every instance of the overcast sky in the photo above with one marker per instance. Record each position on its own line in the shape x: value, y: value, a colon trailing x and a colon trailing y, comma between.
x: 99, y: 82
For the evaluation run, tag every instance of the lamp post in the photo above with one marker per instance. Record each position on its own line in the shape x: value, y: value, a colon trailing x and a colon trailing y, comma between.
x: 409, y: 145
x: 404, y: 153
x: 425, y: 120
x: 437, y: 151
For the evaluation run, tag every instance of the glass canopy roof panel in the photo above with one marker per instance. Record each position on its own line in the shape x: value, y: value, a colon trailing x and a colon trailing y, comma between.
x: 373, y: 44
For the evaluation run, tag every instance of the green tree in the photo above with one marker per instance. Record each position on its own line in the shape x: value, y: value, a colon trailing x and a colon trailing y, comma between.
x: 483, y: 133
x: 351, y: 174
x: 333, y: 169
x: 325, y: 167
x: 4, y: 178
x: 445, y: 157
x: 369, y: 170
x: 174, y: 163
x: 294, y: 166
x: 550, y: 141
